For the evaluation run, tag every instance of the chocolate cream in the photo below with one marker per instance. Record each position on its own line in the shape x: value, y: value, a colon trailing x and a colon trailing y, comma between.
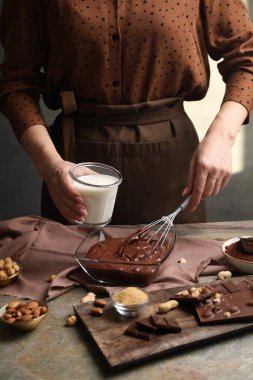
x: 130, y: 261
x: 236, y: 251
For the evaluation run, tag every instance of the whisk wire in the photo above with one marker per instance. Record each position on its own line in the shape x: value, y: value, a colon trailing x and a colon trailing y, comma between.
x: 166, y: 222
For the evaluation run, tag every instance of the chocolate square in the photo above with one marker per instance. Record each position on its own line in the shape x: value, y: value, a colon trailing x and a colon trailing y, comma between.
x: 173, y: 324
x: 134, y: 331
x: 146, y: 324
x: 165, y: 325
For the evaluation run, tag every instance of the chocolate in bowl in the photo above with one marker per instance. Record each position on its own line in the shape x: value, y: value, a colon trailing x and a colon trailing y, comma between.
x: 247, y: 244
x: 237, y: 251
x: 104, y: 263
x: 235, y: 254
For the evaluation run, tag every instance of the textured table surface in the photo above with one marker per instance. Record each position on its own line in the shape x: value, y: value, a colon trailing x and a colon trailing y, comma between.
x: 54, y: 351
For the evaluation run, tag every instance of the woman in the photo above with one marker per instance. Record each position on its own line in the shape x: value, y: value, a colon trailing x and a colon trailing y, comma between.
x: 120, y: 71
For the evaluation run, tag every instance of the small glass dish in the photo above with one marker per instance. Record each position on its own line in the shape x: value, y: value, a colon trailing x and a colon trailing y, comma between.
x: 129, y: 310
x: 8, y: 280
x: 24, y: 325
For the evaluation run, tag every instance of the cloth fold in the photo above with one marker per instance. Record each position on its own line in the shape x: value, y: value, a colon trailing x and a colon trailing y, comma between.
x: 44, y: 247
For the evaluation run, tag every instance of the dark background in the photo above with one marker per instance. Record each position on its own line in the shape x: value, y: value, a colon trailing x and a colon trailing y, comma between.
x: 20, y: 183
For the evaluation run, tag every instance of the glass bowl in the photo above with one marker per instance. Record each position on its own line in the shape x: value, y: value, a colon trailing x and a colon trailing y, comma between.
x: 24, y: 325
x: 235, y: 254
x: 116, y: 271
x: 129, y: 310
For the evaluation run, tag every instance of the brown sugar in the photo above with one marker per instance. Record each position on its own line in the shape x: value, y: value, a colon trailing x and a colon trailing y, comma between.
x: 130, y: 296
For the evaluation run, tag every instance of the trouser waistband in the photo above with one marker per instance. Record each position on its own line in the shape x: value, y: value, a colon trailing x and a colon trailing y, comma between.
x: 82, y: 113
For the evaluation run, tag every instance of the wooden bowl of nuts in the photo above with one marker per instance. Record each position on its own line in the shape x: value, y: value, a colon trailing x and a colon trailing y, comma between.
x: 23, y: 315
x: 9, y: 271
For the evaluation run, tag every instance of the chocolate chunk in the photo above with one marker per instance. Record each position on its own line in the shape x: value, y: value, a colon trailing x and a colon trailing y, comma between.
x: 160, y: 323
x: 233, y: 309
x: 134, y: 331
x: 200, y: 294
x: 231, y: 286
x: 207, y: 313
x: 173, y: 324
x: 220, y: 288
x: 165, y: 324
x: 146, y: 324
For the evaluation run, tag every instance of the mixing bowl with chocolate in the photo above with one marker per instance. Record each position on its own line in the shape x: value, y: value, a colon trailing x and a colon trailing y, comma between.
x: 104, y: 262
x: 234, y: 251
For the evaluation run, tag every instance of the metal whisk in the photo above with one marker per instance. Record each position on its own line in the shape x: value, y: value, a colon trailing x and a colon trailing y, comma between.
x: 157, y: 234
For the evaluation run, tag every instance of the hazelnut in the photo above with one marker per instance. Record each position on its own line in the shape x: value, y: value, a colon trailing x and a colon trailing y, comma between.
x: 11, y: 272
x: 3, y: 275
x: 71, y: 321
x: 51, y: 277
x: 182, y: 261
x: 222, y: 275
x: 8, y: 260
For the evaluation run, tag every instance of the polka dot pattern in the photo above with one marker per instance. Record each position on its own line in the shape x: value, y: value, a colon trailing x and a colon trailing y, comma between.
x: 120, y: 52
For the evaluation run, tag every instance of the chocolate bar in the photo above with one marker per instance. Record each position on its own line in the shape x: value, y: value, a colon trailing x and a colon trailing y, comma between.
x: 235, y: 305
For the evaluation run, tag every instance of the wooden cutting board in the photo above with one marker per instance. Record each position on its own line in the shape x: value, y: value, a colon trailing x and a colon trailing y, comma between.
x: 119, y: 350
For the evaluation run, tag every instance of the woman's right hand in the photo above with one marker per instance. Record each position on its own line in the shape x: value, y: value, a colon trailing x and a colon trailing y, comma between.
x: 60, y: 186
x: 54, y: 171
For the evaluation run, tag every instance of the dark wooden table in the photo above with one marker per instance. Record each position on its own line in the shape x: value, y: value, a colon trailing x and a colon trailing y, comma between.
x: 54, y: 351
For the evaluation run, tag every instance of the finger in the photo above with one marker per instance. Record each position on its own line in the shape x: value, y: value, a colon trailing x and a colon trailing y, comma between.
x: 224, y: 182
x: 198, y: 189
x: 70, y: 209
x: 188, y: 189
x: 212, y: 184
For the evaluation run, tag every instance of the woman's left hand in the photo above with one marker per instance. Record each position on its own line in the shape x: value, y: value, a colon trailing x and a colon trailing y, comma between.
x: 211, y: 163
x: 210, y: 169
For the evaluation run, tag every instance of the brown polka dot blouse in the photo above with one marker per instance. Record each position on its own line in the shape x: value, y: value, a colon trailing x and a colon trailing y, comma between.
x: 120, y: 52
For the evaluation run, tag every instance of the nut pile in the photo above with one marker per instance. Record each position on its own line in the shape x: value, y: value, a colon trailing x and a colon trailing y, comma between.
x: 8, y: 268
x: 23, y: 311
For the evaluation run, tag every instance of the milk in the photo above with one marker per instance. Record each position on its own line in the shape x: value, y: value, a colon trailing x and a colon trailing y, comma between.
x: 99, y: 193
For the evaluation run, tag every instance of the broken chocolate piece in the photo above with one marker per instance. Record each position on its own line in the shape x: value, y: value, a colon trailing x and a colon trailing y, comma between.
x: 134, y: 331
x: 194, y: 294
x: 160, y: 324
x: 165, y: 324
x: 238, y: 305
x: 172, y: 324
x: 146, y: 324
x: 231, y: 286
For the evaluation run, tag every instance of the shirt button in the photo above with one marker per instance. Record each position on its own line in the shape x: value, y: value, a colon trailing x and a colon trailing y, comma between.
x: 115, y: 83
x: 115, y: 37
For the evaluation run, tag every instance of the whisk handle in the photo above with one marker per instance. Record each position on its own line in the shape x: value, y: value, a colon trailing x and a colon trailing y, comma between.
x: 185, y: 203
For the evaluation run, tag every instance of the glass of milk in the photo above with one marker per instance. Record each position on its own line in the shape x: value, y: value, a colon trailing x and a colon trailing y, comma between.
x: 98, y: 185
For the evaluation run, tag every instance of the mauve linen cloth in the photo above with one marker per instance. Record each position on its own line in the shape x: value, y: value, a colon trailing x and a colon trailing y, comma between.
x: 44, y: 247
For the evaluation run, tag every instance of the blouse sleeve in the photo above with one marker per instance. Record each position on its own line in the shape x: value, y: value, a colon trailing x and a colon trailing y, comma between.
x: 21, y: 79
x: 229, y: 37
